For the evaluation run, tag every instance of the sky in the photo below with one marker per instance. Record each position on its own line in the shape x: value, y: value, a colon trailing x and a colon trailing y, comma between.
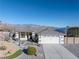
x: 57, y: 13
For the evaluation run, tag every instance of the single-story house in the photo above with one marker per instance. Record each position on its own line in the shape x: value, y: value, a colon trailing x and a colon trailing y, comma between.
x: 47, y: 35
x: 72, y: 35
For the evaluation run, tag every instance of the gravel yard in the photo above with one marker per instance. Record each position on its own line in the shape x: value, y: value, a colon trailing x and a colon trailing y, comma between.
x: 40, y: 52
x: 9, y: 49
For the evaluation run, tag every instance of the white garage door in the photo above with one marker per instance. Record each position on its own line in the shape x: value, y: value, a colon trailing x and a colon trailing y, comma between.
x: 49, y: 40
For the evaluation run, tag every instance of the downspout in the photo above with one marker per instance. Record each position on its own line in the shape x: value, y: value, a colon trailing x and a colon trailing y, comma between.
x: 19, y: 38
x: 66, y: 34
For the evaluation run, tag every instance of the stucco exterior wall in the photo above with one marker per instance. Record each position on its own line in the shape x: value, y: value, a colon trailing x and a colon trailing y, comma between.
x: 71, y: 40
x: 77, y: 40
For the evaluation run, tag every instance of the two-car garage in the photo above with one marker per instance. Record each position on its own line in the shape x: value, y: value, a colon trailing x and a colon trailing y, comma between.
x: 51, y: 37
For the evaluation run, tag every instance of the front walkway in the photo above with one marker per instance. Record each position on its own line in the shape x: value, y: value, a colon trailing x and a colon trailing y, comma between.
x: 54, y: 51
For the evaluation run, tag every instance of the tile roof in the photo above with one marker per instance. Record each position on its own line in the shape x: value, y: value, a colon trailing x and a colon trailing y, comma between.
x: 43, y: 30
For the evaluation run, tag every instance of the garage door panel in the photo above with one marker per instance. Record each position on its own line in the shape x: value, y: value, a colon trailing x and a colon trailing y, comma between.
x: 49, y: 40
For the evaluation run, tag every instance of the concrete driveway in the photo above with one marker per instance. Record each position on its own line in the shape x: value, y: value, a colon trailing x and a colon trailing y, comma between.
x: 73, y: 48
x: 54, y: 51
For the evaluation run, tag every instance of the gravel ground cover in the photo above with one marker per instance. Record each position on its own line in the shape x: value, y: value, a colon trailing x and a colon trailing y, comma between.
x: 40, y: 52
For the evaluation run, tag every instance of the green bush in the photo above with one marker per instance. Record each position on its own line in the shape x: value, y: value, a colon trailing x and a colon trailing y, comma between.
x: 17, y: 53
x: 31, y: 50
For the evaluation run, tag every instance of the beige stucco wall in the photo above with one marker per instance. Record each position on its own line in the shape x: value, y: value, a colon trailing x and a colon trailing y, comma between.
x: 77, y: 40
x: 71, y: 40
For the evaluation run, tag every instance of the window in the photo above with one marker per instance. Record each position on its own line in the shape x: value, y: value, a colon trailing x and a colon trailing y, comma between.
x: 22, y: 34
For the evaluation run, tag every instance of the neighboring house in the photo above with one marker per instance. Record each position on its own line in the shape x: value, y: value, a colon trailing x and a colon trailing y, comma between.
x: 72, y: 35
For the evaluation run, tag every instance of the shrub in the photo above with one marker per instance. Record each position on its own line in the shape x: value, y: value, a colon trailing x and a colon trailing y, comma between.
x: 31, y: 50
